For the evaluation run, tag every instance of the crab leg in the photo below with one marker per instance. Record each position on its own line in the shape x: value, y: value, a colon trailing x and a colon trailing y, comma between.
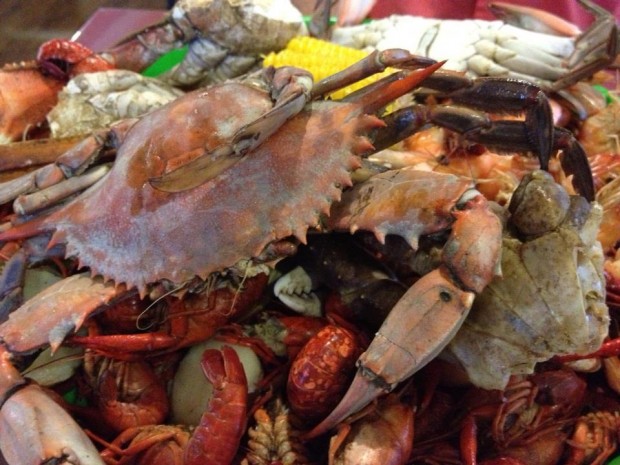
x: 33, y: 152
x: 590, y: 51
x: 30, y: 203
x: 375, y: 62
x: 510, y: 136
x: 71, y: 164
x: 430, y: 313
x: 11, y: 283
x: 58, y: 311
x: 533, y: 19
x: 511, y: 96
x: 294, y: 89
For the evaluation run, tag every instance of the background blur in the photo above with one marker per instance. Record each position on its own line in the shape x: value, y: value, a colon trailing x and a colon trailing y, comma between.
x: 25, y: 24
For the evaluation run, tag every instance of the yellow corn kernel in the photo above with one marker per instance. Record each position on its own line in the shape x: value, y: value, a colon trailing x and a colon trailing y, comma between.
x: 322, y: 59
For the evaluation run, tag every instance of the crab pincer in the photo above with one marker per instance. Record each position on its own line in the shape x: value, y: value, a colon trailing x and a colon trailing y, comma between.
x: 430, y: 313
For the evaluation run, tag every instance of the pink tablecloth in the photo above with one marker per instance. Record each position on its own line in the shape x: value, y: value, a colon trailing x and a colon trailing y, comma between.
x: 109, y: 25
x: 462, y: 9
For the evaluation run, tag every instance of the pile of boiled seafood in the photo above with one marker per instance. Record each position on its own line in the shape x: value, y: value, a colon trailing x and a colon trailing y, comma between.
x: 224, y: 265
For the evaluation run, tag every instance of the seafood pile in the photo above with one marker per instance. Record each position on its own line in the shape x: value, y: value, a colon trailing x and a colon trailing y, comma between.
x: 255, y: 272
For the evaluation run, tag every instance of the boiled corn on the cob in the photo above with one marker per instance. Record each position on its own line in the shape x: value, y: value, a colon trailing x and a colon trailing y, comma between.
x: 322, y: 59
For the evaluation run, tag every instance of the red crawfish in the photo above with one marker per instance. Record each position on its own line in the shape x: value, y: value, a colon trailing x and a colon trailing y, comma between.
x: 322, y: 371
x: 216, y: 438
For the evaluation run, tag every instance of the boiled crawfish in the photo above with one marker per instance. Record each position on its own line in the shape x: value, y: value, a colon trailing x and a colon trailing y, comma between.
x: 213, y: 441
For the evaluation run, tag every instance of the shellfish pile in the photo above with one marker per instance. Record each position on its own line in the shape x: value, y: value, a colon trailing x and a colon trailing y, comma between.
x: 251, y: 271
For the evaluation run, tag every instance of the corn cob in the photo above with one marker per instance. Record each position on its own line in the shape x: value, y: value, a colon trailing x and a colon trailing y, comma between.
x: 322, y: 59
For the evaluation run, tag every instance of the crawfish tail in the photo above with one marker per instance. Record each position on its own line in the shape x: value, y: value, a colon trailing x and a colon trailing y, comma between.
x: 216, y: 439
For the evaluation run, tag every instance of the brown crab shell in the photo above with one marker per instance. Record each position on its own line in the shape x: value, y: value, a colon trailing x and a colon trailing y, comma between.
x: 125, y: 230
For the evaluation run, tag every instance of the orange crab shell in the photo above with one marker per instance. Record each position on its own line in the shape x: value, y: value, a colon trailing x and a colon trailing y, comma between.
x: 26, y: 96
x: 125, y: 230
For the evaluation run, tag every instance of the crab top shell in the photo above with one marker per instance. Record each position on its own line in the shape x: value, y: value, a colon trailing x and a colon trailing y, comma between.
x: 406, y: 202
x: 536, y: 311
x: 125, y: 230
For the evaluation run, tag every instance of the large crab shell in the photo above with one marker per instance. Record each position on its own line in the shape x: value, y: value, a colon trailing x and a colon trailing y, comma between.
x: 125, y: 230
x: 549, y: 301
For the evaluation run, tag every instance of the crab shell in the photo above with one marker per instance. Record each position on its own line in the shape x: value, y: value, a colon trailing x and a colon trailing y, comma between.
x: 19, y: 110
x: 226, y: 38
x: 95, y: 100
x: 242, y: 26
x: 125, y: 230
x: 536, y: 311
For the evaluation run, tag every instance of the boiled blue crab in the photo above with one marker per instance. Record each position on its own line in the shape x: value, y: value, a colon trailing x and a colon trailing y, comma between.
x: 524, y: 44
x: 95, y: 100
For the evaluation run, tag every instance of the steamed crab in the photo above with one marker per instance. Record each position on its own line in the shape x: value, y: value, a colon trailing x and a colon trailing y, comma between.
x: 251, y: 176
x: 225, y: 38
x: 96, y: 100
x: 525, y: 43
x: 529, y: 314
x: 567, y: 302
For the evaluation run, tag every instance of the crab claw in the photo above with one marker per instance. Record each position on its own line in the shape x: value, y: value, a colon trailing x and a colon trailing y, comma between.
x: 433, y: 309
x: 363, y: 390
x: 429, y: 314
